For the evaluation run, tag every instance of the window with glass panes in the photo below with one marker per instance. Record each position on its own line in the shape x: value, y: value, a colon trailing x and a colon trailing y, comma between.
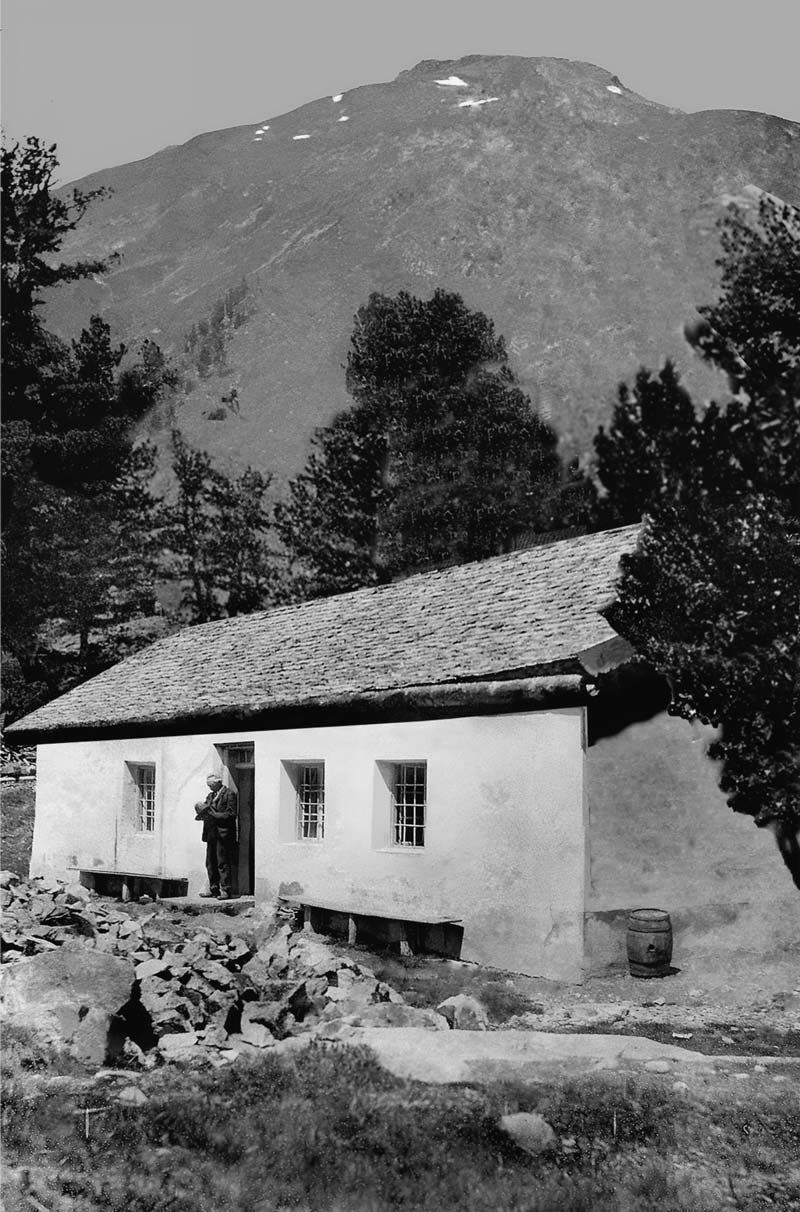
x: 409, y: 804
x: 311, y: 801
x: 145, y: 778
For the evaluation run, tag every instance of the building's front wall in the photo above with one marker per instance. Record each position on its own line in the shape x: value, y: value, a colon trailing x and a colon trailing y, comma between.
x: 85, y: 818
x: 661, y: 835
x: 504, y: 841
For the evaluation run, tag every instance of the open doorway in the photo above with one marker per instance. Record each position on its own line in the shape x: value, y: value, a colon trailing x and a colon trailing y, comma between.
x: 240, y: 763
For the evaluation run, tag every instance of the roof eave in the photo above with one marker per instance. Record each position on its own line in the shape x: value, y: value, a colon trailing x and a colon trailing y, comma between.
x: 430, y: 701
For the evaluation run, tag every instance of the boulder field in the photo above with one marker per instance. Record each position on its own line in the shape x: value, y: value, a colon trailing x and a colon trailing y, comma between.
x: 139, y: 984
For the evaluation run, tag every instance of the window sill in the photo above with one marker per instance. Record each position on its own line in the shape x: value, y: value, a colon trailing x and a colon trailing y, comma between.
x: 401, y: 850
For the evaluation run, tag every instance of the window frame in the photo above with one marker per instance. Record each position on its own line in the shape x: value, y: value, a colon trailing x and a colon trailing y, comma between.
x: 402, y: 804
x: 308, y: 810
x: 145, y: 802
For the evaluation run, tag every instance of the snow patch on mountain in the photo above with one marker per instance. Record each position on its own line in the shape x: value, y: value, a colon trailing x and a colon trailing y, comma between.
x: 453, y: 82
x: 474, y: 102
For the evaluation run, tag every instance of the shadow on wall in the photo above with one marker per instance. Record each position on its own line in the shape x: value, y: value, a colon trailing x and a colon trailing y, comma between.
x: 627, y: 695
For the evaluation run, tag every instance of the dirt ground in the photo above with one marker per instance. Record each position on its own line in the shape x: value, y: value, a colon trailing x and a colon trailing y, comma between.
x: 749, y: 1008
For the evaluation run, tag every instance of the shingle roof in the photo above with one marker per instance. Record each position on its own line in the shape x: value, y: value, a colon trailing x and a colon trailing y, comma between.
x: 530, y: 611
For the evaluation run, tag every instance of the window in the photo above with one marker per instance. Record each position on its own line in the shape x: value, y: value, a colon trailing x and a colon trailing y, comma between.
x: 310, y: 786
x: 409, y: 804
x: 238, y: 755
x: 145, y: 779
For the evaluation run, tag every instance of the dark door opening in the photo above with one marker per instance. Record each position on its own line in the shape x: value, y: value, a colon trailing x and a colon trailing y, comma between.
x: 240, y: 762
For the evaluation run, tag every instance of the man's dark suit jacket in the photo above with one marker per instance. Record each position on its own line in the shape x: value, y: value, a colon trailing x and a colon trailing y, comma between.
x: 221, y: 809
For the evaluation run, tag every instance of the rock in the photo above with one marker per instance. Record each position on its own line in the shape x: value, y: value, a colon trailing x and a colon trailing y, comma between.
x: 75, y: 894
x: 680, y: 1087
x: 238, y: 950
x: 311, y: 955
x: 657, y: 1066
x: 257, y: 1035
x: 150, y: 967
x: 172, y: 1016
x: 133, y: 1054
x: 266, y: 1014
x: 464, y: 1013
x: 131, y: 1096
x: 251, y: 982
x: 157, y: 930
x: 316, y: 988
x: 260, y: 929
x: 70, y: 999
x: 537, y: 1008
x: 176, y: 1043
x: 8, y: 879
x: 529, y: 1131
x: 195, y: 949
x: 390, y: 1014
x: 82, y: 923
x: 157, y: 995
x: 176, y: 963
x: 215, y: 973
x: 214, y: 1036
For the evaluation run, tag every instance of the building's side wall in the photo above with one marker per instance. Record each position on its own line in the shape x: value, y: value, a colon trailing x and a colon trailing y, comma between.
x: 84, y: 818
x: 661, y: 835
x: 505, y: 839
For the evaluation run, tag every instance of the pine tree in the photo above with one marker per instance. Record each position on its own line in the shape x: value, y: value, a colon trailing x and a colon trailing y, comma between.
x: 216, y: 537
x: 711, y: 599
x: 441, y: 459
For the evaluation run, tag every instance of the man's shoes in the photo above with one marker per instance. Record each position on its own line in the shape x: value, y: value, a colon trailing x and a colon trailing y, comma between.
x: 223, y: 896
x: 211, y: 893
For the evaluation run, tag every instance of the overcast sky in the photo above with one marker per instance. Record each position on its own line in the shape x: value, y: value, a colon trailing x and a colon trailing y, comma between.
x: 110, y: 81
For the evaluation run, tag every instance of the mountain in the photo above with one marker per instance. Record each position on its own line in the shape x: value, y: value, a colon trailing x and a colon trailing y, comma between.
x: 579, y: 215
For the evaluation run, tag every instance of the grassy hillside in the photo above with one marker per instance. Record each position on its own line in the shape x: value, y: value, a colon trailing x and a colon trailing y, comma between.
x: 576, y: 213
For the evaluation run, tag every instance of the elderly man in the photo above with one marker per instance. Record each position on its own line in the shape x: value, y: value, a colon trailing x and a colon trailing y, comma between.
x: 219, y: 812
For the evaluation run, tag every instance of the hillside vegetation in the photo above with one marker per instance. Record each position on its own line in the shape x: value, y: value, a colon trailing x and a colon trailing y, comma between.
x: 577, y: 214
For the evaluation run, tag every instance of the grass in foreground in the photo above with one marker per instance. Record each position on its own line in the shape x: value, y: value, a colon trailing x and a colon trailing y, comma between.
x: 328, y: 1129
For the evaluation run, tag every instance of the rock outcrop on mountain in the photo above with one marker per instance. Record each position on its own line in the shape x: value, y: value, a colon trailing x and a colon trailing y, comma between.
x: 576, y: 213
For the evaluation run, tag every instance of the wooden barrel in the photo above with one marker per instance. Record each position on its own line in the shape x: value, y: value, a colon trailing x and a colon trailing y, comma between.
x: 649, y: 942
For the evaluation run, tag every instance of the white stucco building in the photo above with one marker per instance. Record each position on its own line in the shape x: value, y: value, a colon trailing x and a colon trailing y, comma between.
x: 469, y: 752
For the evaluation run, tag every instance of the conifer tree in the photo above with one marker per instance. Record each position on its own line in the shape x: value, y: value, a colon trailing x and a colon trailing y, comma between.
x: 441, y: 458
x: 711, y: 599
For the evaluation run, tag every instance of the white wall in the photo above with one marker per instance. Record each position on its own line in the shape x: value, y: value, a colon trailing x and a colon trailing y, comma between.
x: 661, y: 834
x: 505, y: 839
x: 83, y: 817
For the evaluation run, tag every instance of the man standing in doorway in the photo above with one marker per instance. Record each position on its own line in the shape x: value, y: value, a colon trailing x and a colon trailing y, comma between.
x: 219, y: 813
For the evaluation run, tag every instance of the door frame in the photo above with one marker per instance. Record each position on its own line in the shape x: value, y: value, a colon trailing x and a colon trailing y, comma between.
x: 245, y: 880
